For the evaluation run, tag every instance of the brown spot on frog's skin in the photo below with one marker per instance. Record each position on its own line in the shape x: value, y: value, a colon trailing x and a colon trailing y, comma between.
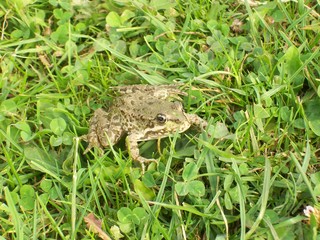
x: 134, y: 112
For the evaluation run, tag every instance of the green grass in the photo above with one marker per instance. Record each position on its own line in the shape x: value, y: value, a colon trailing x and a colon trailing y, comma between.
x: 251, y: 71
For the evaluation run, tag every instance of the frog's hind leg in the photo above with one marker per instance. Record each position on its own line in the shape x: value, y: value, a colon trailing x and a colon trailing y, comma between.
x: 101, y: 132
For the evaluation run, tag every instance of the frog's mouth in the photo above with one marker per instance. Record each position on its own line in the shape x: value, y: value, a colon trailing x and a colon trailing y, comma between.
x: 164, y: 130
x: 176, y: 126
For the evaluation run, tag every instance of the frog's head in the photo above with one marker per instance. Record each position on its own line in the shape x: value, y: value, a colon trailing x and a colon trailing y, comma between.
x: 164, y: 119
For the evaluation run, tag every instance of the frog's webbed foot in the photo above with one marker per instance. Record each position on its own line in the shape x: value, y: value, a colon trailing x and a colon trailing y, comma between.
x: 85, y: 138
x: 92, y: 140
x: 143, y: 160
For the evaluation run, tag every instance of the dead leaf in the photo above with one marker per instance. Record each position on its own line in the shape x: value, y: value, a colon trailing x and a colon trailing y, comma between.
x: 94, y: 225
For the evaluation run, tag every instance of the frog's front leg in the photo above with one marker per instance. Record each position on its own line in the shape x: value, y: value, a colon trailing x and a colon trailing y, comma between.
x: 134, y: 153
x: 196, y: 120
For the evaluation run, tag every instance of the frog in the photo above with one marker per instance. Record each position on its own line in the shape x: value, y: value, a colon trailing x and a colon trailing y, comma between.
x: 141, y: 113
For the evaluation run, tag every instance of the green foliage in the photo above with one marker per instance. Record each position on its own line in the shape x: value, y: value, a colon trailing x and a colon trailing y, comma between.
x: 131, y: 218
x: 250, y: 68
x: 190, y: 186
x: 27, y: 197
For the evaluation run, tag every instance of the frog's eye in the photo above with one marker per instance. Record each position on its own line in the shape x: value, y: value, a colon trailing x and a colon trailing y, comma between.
x: 161, y: 118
